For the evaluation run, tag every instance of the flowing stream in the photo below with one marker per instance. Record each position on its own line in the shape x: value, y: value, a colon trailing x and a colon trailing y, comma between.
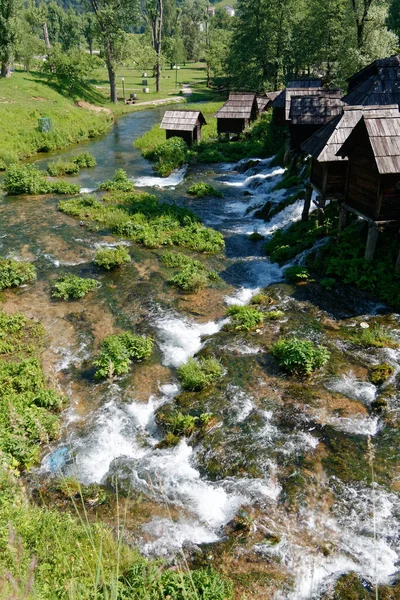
x: 110, y: 429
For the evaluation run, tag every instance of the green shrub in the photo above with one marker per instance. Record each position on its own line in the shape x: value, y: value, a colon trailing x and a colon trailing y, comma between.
x: 375, y: 336
x: 59, y: 167
x: 72, y: 287
x: 274, y: 315
x: 204, y: 189
x: 299, y: 357
x: 84, y: 160
x: 169, y: 156
x: 197, y: 374
x: 328, y: 283
x: 190, y: 279
x: 14, y: 273
x: 296, y: 273
x: 109, y: 258
x: 179, y: 260
x: 380, y: 373
x: 118, y: 351
x: 256, y: 237
x: 244, y: 318
x: 28, y: 179
x: 63, y: 187
x: 119, y: 182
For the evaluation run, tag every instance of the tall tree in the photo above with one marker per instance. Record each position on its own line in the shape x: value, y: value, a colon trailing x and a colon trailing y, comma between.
x: 10, y: 11
x: 153, y: 13
x: 394, y: 17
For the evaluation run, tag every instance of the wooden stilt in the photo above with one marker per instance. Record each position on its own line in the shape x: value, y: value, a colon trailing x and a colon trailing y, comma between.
x: 397, y: 267
x: 321, y: 201
x: 307, y: 204
x: 343, y: 218
x: 373, y: 234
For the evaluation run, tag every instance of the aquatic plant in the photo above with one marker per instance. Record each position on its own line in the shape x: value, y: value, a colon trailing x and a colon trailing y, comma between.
x: 28, y: 179
x: 179, y: 260
x: 197, y: 374
x: 375, y: 336
x: 202, y: 189
x: 169, y: 155
x: 119, y: 183
x: 274, y: 315
x: 84, y: 160
x: 299, y: 357
x: 262, y: 299
x: 190, y: 279
x: 256, y: 237
x: 118, y: 351
x: 296, y: 273
x: 244, y: 318
x: 329, y: 283
x: 109, y: 258
x: 14, y: 273
x: 380, y: 373
x: 60, y: 167
x: 72, y: 287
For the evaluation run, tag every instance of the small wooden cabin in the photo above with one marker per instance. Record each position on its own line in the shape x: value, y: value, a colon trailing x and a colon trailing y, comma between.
x: 265, y: 101
x: 309, y: 113
x: 373, y: 178
x: 237, y: 112
x: 376, y: 84
x: 279, y: 103
x: 185, y: 124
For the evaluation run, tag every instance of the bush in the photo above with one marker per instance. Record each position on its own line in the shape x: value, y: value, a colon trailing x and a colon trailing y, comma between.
x: 198, y: 374
x: 59, y: 167
x: 178, y: 260
x: 118, y: 351
x: 204, y: 189
x: 72, y: 287
x: 28, y: 179
x: 14, y: 273
x: 84, y: 160
x: 244, y: 318
x: 296, y: 273
x: 299, y: 357
x: 170, y: 155
x: 109, y: 258
x: 328, y: 283
x: 119, y: 182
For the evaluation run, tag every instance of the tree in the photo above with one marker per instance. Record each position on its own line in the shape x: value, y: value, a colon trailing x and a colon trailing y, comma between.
x: 9, y: 32
x: 152, y: 11
x: 193, y: 21
x: 216, y: 53
x: 394, y: 17
x: 89, y: 29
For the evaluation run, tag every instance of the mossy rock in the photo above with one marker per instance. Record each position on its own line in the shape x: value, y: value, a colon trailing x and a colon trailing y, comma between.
x: 349, y: 587
x: 380, y: 373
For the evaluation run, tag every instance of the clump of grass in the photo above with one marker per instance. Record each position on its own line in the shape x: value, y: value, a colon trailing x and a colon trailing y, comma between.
x: 14, y: 273
x: 59, y: 167
x: 179, y: 260
x: 256, y: 237
x: 110, y: 258
x: 28, y: 179
x: 192, y: 276
x: 299, y: 357
x: 117, y: 353
x: 72, y: 287
x: 179, y: 424
x: 261, y: 299
x: 375, y: 336
x: 169, y: 155
x: 297, y: 273
x: 380, y: 373
x: 274, y: 315
x: 119, y: 183
x: 244, y: 318
x: 84, y: 160
x: 200, y: 190
x: 197, y: 374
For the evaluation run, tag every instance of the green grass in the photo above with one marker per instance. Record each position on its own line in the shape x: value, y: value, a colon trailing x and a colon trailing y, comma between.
x: 28, y: 179
x: 14, y: 273
x: 118, y: 351
x: 197, y: 374
x: 192, y: 276
x: 201, y: 189
x: 110, y: 258
x: 119, y: 182
x: 71, y: 287
x: 299, y: 357
x: 244, y: 318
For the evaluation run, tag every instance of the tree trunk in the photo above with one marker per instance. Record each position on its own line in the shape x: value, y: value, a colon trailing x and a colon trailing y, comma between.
x: 46, y: 36
x: 111, y: 75
x: 5, y: 70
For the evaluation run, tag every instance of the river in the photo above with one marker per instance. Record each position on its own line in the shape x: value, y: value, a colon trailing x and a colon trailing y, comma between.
x: 268, y: 452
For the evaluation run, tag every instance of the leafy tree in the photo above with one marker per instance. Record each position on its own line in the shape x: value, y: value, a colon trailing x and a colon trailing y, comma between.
x: 394, y: 17
x: 216, y: 53
x: 9, y: 33
x: 71, y: 67
x: 89, y: 29
x: 193, y: 27
x: 153, y: 13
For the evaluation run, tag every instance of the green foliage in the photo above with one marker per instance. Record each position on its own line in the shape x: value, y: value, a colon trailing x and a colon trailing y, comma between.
x: 71, y: 67
x: 178, y: 424
x: 170, y: 155
x: 204, y: 189
x: 274, y: 315
x: 256, y: 237
x: 14, y: 273
x: 190, y: 279
x: 110, y: 258
x: 118, y: 351
x: 329, y: 283
x: 119, y: 182
x: 374, y: 336
x: 28, y: 179
x: 178, y: 260
x: 288, y: 181
x: 144, y: 219
x: 197, y: 374
x: 299, y: 357
x: 55, y: 169
x: 244, y: 318
x: 262, y: 299
x: 84, y: 160
x: 72, y: 287
x: 296, y: 273
x: 380, y: 373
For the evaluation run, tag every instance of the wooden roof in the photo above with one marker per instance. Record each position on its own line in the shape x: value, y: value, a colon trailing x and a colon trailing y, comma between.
x: 265, y: 101
x: 314, y: 110
x: 334, y: 93
x: 328, y: 140
x: 378, y: 83
x: 279, y: 101
x: 182, y: 120
x: 240, y: 105
x: 384, y: 135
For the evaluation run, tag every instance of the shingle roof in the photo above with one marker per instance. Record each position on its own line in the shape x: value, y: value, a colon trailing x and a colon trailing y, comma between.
x: 265, y: 101
x: 328, y: 140
x: 384, y: 134
x: 240, y: 105
x: 334, y: 93
x: 279, y: 101
x: 314, y: 110
x: 378, y: 83
x: 182, y: 120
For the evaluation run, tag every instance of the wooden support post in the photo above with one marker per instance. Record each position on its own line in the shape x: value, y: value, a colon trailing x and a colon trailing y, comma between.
x: 397, y: 267
x: 373, y: 233
x: 321, y: 202
x: 307, y: 204
x: 343, y: 218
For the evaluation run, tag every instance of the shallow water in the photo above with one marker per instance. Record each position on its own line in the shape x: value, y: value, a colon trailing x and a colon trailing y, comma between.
x: 249, y: 457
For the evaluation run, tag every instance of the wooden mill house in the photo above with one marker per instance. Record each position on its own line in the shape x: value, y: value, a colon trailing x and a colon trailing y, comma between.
x: 185, y: 124
x: 376, y: 84
x: 237, y: 113
x: 278, y: 105
x: 309, y: 113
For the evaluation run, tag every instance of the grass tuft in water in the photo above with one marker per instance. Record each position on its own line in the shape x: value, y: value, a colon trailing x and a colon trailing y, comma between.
x: 118, y: 351
x: 197, y: 374
x: 200, y: 190
x: 244, y: 318
x: 28, y: 179
x: 14, y: 273
x: 375, y: 336
x: 299, y: 357
x: 119, y: 183
x: 110, y: 258
x: 72, y: 287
